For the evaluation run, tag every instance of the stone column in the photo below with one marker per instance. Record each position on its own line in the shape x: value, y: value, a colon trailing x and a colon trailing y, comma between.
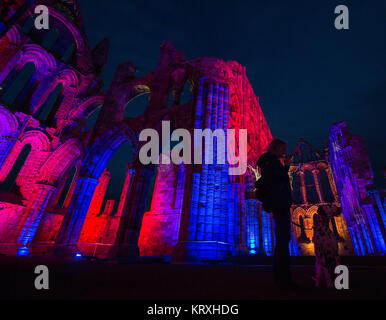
x: 211, y: 212
x: 331, y: 181
x: 33, y: 215
x: 126, y: 242
x: 122, y: 199
x: 315, y: 174
x: 260, y: 227
x: 72, y: 224
x: 99, y: 194
x: 302, y: 187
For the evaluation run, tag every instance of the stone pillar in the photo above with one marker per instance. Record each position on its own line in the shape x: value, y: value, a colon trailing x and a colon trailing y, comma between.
x: 99, y: 194
x: 302, y: 187
x: 72, y: 224
x: 379, y: 209
x: 109, y: 207
x: 331, y: 180
x: 260, y: 226
x: 92, y: 216
x: 179, y: 192
x: 33, y: 215
x: 126, y: 242
x: 315, y: 174
x: 241, y: 233
x: 129, y: 172
x: 208, y: 230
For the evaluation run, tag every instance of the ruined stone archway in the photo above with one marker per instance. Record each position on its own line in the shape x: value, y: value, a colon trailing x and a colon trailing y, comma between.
x: 94, y: 163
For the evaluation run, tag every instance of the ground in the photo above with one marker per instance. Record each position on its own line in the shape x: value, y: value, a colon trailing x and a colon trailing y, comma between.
x: 135, y: 280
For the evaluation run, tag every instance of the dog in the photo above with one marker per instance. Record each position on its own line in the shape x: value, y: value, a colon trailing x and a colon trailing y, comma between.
x: 325, y: 244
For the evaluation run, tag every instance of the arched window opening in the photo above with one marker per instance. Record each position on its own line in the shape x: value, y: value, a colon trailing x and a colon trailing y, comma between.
x: 326, y: 187
x: 66, y: 188
x: 91, y: 119
x: 312, y: 195
x: 64, y: 45
x: 297, y: 197
x: 304, y: 153
x: 186, y: 94
x: 314, y: 218
x: 68, y: 53
x: 19, y: 83
x: 137, y: 106
x: 117, y: 168
x: 24, y: 98
x: 9, y: 182
x: 49, y: 108
x: 10, y: 78
x: 50, y: 38
x: 303, y: 237
x: 28, y: 25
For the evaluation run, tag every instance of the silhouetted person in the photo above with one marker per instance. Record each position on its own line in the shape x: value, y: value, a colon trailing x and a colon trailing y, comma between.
x: 278, y: 200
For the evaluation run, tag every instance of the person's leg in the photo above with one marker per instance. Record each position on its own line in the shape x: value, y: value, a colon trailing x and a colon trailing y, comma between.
x: 317, y: 274
x: 282, y: 256
x: 276, y: 257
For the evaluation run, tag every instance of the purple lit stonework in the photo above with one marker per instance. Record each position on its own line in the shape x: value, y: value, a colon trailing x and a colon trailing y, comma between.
x: 53, y: 168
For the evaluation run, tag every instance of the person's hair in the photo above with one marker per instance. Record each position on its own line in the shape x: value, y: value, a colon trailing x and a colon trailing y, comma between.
x: 275, y: 145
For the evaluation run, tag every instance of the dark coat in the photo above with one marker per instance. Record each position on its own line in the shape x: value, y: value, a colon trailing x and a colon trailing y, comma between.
x: 276, y: 182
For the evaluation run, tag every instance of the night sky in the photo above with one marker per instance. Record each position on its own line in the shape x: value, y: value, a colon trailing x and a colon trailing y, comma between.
x: 307, y: 74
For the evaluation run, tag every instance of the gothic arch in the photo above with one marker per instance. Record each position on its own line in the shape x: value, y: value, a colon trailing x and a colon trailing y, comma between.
x: 60, y: 161
x: 322, y: 165
x: 87, y: 107
x: 310, y: 185
x: 298, y: 212
x: 94, y: 163
x: 78, y: 38
x: 38, y: 141
x: 43, y: 60
x: 310, y: 221
x: 99, y: 154
x: 68, y: 77
x: 307, y: 166
x: 134, y: 91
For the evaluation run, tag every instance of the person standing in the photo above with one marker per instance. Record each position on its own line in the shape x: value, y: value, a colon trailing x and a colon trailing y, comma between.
x: 277, y: 199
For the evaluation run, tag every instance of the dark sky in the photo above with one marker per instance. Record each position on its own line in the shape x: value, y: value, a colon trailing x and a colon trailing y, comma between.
x: 307, y: 74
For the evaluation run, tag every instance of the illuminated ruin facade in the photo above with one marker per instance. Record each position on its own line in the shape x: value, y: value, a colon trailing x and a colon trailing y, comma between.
x: 53, y: 168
